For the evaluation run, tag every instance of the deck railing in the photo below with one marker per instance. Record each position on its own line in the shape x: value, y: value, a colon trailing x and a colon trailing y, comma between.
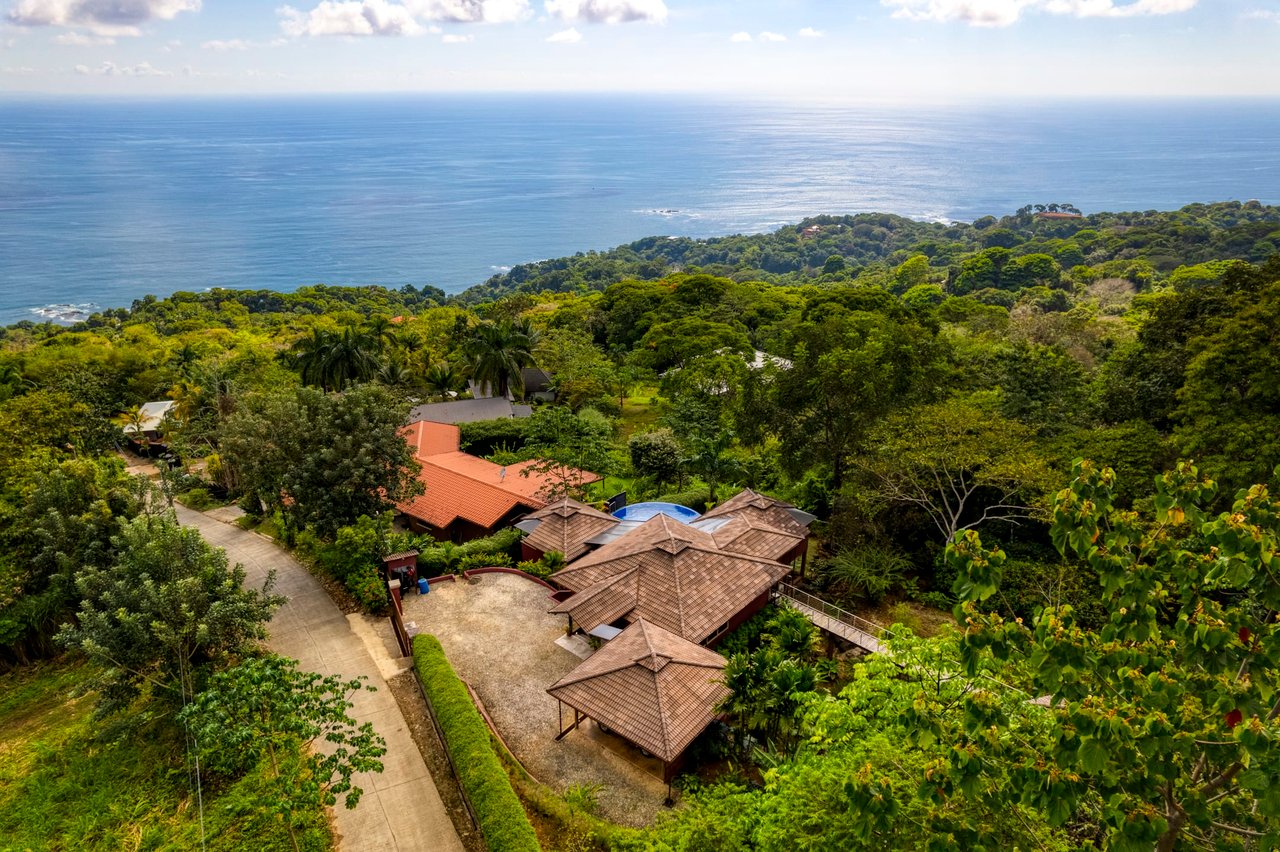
x: 833, y: 612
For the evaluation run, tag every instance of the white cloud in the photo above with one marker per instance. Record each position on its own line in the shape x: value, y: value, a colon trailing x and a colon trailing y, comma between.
x: 1263, y: 15
x: 810, y: 32
x: 384, y: 18
x: 569, y: 36
x: 110, y: 69
x: 19, y: 71
x: 349, y: 18
x: 1002, y: 13
x: 471, y: 11
x: 100, y: 17
x: 221, y: 46
x: 609, y: 11
x: 740, y: 38
x: 74, y: 39
x: 454, y: 38
x: 768, y: 36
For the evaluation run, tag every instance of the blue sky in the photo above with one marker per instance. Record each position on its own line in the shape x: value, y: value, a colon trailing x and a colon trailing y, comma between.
x: 928, y: 50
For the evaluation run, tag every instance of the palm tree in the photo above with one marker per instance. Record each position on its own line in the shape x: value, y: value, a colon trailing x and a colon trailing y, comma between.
x: 444, y: 378
x: 498, y: 351
x: 309, y: 356
x: 382, y: 330
x: 353, y: 357
x: 333, y: 361
x: 393, y: 373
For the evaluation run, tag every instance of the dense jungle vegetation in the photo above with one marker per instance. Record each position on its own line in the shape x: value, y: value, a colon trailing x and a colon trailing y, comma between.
x: 925, y: 389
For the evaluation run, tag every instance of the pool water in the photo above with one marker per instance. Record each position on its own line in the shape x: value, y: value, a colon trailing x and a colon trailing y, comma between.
x: 645, y: 511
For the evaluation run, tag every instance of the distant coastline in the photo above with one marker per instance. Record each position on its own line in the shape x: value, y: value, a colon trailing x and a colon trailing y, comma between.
x: 104, y: 202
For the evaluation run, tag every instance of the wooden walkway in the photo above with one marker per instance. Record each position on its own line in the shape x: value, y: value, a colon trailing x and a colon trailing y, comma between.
x: 832, y: 619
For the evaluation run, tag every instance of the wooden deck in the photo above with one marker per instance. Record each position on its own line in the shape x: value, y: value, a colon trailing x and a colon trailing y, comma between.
x: 829, y: 617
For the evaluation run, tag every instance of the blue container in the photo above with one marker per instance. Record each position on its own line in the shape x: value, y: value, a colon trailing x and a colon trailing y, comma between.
x: 423, y: 586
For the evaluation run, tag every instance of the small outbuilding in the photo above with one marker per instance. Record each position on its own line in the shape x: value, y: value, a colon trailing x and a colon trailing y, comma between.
x: 648, y: 686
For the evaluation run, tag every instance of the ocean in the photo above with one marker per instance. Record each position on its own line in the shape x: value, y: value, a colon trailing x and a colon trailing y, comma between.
x: 103, y: 201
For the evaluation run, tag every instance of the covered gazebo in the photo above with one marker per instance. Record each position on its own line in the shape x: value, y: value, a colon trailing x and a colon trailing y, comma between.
x: 649, y: 686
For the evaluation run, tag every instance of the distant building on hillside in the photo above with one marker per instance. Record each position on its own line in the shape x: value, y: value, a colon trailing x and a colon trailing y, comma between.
x: 151, y: 416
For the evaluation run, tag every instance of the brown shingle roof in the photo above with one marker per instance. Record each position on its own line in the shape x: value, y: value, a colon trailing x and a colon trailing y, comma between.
x: 759, y: 508
x: 668, y: 573
x: 565, y: 525
x: 749, y: 534
x: 652, y: 687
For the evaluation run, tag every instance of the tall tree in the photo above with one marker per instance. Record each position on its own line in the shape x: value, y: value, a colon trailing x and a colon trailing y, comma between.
x: 960, y: 462
x: 168, y: 606
x: 498, y: 352
x: 849, y: 370
x: 323, y: 460
x: 1161, y: 728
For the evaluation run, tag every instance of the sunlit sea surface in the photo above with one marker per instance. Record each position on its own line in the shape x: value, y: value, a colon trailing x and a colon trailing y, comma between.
x: 102, y: 202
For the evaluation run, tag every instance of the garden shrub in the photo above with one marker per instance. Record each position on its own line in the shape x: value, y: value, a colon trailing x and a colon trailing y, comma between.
x: 198, y: 499
x: 484, y: 560
x: 695, y: 498
x: 368, y: 588
x: 485, y: 436
x: 869, y: 572
x: 501, y: 817
x: 749, y: 635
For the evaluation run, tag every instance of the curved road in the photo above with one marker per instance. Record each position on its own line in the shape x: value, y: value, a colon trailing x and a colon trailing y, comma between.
x: 401, y: 808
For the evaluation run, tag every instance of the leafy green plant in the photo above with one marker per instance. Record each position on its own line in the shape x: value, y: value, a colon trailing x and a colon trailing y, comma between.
x: 584, y: 798
x: 484, y: 782
x: 869, y: 571
x: 267, y: 711
x: 368, y: 588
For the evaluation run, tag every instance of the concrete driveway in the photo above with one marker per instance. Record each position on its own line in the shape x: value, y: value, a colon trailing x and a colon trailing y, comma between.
x: 499, y: 637
x: 401, y: 808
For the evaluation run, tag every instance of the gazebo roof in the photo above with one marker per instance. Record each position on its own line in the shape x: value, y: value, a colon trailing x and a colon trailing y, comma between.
x: 649, y: 685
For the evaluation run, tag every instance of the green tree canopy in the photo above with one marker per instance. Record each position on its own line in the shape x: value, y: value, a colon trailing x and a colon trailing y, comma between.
x: 170, y: 605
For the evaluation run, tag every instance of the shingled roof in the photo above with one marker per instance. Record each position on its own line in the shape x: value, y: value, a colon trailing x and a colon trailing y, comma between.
x: 749, y: 534
x: 565, y: 525
x: 669, y: 573
x: 649, y: 685
x: 762, y: 509
x: 459, y: 485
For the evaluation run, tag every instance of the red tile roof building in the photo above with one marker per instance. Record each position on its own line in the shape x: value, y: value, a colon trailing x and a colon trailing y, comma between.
x: 467, y: 496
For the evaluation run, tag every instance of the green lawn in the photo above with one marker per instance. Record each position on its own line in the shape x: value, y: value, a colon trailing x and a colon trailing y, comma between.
x: 640, y: 411
x: 70, y: 783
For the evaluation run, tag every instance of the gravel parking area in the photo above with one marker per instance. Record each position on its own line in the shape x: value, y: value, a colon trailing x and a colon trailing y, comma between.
x: 500, y: 638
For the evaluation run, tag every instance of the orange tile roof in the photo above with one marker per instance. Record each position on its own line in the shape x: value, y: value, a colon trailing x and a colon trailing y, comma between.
x: 459, y: 485
x: 651, y: 686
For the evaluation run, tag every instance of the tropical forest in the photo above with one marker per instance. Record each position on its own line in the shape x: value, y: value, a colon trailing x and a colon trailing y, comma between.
x: 1041, y: 451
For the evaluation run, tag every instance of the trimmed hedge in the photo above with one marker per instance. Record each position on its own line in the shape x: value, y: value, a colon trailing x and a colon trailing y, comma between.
x: 502, y: 819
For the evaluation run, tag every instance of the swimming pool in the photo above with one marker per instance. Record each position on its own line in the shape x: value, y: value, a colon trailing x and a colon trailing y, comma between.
x: 645, y: 511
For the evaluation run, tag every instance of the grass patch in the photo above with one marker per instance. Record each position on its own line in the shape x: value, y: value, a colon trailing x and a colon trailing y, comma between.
x: 640, y: 411
x: 68, y: 782
x: 503, y: 822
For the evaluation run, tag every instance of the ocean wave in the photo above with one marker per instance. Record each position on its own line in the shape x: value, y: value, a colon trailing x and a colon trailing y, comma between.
x: 66, y: 314
x: 501, y: 269
x: 669, y: 213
